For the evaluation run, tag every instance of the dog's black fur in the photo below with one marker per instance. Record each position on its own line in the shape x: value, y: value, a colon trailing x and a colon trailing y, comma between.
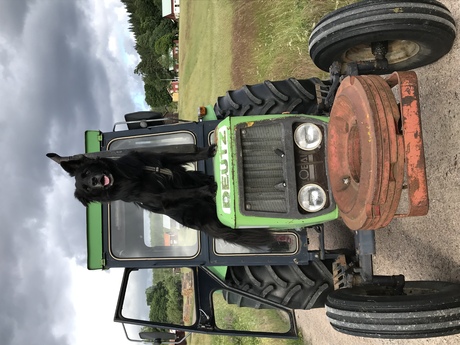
x: 186, y: 196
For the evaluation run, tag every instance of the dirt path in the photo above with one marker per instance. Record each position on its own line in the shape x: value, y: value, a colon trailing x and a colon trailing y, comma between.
x: 242, y: 41
x: 425, y: 248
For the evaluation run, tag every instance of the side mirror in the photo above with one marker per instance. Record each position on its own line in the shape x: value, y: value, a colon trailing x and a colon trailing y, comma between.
x: 157, y: 337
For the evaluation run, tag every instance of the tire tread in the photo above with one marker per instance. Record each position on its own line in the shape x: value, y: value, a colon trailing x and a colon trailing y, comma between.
x: 298, y: 287
x: 427, y: 22
x: 270, y: 97
x: 356, y: 312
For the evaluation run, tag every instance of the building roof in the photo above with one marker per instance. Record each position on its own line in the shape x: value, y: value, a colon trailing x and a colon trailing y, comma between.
x: 166, y: 7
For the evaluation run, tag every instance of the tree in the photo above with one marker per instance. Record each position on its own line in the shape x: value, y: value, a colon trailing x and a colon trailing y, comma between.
x: 164, y: 298
x: 154, y: 36
x: 158, y: 303
x: 164, y: 44
x: 175, y: 299
x: 156, y: 97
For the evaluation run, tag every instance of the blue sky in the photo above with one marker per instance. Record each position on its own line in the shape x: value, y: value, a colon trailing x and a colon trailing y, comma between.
x: 65, y: 67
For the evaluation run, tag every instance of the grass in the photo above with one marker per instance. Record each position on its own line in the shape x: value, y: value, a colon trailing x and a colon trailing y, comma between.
x: 227, y: 43
x: 279, y: 46
x: 205, y: 61
x: 232, y: 317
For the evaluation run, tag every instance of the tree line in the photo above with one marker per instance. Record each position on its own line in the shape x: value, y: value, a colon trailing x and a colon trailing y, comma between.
x: 154, y: 38
x: 164, y: 297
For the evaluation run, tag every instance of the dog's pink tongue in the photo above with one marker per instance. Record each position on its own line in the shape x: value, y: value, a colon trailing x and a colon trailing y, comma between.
x: 106, y: 181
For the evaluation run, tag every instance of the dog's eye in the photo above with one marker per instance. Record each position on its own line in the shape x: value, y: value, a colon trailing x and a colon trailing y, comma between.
x: 85, y: 173
x: 88, y: 189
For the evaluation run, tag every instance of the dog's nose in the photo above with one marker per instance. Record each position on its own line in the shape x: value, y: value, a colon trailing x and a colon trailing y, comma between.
x: 94, y: 181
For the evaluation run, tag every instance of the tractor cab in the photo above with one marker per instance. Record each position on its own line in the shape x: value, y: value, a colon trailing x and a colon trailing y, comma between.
x: 175, y: 277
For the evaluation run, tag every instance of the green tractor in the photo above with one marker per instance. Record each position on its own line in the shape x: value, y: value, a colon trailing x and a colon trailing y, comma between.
x: 292, y: 155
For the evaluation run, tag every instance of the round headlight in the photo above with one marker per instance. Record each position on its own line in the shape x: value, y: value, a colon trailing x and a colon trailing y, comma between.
x: 308, y: 136
x: 312, y: 197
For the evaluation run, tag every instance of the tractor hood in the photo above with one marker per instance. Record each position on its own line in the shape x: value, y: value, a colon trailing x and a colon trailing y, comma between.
x: 260, y: 172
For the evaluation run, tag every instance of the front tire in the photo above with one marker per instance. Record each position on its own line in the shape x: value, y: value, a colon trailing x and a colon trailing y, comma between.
x: 418, y: 32
x: 426, y: 309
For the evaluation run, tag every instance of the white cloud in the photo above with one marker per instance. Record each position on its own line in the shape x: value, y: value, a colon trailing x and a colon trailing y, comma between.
x: 94, y: 293
x: 115, y: 48
x: 94, y: 297
x: 66, y: 67
x: 87, y: 308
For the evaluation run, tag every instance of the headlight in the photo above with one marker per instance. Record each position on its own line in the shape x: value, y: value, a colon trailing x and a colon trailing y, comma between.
x: 308, y: 136
x: 312, y: 197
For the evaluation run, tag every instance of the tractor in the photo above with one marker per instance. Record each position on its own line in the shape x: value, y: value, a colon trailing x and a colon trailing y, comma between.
x: 292, y: 155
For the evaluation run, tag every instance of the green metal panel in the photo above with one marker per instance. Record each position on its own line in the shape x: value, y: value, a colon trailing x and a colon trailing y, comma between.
x: 210, y: 114
x: 94, y: 213
x: 219, y: 271
x: 93, y: 141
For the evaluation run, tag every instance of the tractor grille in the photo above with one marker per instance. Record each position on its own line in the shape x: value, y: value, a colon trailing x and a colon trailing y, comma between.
x: 262, y: 171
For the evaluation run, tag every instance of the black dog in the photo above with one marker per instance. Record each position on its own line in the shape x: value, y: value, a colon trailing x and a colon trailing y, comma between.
x: 159, y: 183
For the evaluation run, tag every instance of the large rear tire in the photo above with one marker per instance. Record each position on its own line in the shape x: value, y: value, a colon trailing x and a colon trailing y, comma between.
x: 426, y: 309
x: 297, y: 287
x: 418, y: 32
x: 270, y: 97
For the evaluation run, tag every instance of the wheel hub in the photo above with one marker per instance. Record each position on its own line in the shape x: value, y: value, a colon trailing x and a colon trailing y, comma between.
x: 397, y: 52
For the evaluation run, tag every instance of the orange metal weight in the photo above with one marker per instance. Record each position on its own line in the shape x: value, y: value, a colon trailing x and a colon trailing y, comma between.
x: 368, y: 151
x: 406, y: 85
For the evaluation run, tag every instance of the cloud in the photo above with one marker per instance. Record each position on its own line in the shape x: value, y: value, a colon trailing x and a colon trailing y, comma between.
x: 34, y: 284
x: 12, y: 16
x: 65, y: 66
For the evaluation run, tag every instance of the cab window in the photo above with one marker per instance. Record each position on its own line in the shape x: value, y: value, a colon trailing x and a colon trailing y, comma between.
x: 136, y: 233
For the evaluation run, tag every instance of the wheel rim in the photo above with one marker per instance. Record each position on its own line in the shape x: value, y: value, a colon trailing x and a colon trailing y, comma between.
x: 398, y: 51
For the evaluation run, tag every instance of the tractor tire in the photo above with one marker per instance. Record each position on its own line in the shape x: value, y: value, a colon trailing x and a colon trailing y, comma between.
x: 297, y: 287
x: 425, y: 309
x: 270, y: 97
x: 418, y: 32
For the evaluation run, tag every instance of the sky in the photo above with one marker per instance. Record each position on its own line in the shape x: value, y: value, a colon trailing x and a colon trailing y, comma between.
x: 65, y: 66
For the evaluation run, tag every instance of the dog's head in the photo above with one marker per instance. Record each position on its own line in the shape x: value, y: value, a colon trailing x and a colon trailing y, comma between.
x: 93, y: 177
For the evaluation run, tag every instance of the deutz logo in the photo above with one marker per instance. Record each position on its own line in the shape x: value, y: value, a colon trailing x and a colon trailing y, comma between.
x: 224, y: 171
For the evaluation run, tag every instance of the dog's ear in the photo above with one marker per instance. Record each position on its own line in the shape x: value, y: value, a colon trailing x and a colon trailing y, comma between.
x: 69, y: 164
x: 72, y: 166
x: 82, y: 198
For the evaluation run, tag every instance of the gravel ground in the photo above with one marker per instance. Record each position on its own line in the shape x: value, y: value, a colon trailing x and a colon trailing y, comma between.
x: 421, y: 248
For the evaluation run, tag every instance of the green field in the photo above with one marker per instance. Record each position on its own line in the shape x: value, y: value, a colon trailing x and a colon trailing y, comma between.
x: 227, y: 43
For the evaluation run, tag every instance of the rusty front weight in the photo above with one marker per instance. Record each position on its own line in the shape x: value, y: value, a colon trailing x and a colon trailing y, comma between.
x: 413, y: 141
x: 370, y: 155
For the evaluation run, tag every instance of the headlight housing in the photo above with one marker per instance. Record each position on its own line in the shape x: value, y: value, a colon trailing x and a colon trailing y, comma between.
x: 308, y: 136
x: 312, y: 197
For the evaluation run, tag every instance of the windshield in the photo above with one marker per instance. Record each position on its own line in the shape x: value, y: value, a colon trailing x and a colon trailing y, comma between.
x: 136, y: 233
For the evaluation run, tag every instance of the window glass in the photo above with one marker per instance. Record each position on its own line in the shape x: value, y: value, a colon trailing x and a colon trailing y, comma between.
x: 136, y: 233
x: 287, y: 244
x: 164, y: 139
x: 162, y: 295
x: 237, y: 313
